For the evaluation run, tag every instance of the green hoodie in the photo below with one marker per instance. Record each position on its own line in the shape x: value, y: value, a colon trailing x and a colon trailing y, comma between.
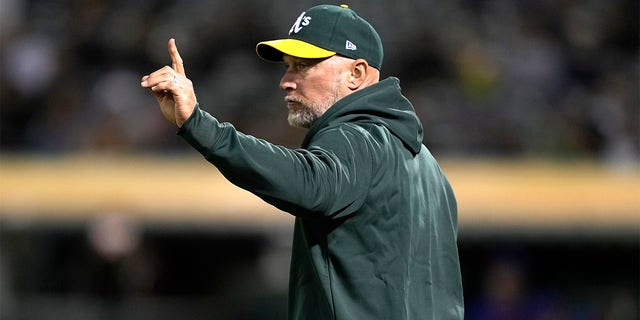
x: 376, y: 219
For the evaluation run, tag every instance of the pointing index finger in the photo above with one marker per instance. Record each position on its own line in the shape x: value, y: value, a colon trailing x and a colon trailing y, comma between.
x: 176, y: 61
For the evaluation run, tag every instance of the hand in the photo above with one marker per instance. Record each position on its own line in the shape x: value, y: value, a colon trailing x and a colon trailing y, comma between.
x: 171, y: 87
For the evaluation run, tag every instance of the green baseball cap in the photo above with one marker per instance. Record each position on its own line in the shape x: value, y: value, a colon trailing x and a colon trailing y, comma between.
x: 324, y: 31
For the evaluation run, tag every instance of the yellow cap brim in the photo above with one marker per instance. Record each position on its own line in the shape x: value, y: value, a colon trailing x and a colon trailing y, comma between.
x: 274, y: 50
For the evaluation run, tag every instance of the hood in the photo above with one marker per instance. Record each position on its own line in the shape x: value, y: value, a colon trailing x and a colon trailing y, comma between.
x: 382, y: 104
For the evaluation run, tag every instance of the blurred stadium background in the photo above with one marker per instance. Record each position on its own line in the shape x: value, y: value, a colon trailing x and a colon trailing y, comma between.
x: 532, y: 107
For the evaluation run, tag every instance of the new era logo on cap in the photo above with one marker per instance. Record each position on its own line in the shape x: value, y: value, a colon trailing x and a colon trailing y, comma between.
x: 350, y: 46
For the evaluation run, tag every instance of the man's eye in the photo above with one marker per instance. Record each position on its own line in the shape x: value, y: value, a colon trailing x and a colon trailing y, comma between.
x: 298, y: 66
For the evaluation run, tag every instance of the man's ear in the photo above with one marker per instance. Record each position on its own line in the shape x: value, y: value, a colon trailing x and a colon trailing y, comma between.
x: 359, y: 74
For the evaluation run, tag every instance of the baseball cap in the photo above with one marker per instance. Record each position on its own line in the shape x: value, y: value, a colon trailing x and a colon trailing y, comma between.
x: 326, y: 30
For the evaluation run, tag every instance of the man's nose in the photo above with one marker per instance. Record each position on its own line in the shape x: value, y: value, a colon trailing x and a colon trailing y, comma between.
x: 287, y: 82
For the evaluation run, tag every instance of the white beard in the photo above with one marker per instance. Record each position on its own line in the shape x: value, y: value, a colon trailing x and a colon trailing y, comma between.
x: 302, y: 114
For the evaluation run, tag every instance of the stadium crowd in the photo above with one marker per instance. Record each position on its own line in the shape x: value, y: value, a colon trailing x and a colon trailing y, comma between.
x: 527, y: 78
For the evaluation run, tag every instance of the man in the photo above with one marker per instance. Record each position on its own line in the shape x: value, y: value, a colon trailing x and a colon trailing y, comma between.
x: 376, y: 220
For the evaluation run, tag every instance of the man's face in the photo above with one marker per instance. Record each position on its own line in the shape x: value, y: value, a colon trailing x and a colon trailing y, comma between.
x: 312, y: 86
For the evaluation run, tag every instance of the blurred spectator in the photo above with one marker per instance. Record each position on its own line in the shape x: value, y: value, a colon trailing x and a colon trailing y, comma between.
x: 118, y: 265
x: 506, y: 295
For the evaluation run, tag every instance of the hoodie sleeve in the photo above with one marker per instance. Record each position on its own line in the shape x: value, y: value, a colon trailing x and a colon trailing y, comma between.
x: 327, y: 179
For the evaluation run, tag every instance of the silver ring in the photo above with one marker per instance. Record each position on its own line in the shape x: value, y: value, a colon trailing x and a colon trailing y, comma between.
x: 175, y: 79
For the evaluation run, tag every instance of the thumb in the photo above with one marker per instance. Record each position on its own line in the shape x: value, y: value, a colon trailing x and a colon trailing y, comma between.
x: 176, y: 61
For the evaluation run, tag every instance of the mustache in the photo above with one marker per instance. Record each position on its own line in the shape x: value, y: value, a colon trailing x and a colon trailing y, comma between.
x: 289, y: 99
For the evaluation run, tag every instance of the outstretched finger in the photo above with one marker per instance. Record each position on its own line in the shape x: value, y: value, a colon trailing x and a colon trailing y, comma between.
x: 176, y: 61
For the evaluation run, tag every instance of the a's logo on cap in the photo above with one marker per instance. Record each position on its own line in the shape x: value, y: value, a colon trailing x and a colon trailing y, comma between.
x: 301, y: 22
